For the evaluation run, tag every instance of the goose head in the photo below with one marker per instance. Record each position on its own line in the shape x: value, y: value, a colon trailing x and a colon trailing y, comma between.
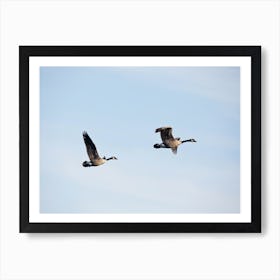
x: 189, y: 140
x: 110, y: 158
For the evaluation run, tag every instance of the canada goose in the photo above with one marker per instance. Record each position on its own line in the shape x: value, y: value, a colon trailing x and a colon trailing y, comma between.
x: 168, y: 140
x: 95, y: 159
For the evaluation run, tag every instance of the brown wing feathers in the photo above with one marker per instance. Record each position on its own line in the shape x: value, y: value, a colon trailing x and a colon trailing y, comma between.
x: 165, y: 133
x: 91, y: 149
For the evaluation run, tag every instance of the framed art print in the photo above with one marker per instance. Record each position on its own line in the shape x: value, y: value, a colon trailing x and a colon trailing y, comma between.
x: 140, y: 138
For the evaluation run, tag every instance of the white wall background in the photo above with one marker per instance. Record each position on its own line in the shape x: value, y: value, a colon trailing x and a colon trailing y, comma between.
x: 139, y: 256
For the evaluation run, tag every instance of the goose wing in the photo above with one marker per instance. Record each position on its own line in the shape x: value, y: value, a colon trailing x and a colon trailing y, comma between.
x: 165, y: 133
x: 91, y: 149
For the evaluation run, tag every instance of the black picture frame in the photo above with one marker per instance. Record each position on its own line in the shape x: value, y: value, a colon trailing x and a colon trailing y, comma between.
x: 254, y: 52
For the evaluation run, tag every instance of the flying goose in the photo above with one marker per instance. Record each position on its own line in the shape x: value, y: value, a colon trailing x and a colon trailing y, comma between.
x: 95, y: 159
x: 168, y: 141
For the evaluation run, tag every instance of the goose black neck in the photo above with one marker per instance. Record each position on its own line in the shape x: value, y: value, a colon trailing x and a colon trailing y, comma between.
x: 189, y: 140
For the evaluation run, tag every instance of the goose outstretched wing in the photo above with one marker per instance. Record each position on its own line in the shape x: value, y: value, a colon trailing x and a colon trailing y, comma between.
x: 165, y: 133
x: 91, y: 149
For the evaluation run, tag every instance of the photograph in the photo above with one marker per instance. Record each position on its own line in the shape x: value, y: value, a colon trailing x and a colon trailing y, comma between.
x: 90, y: 116
x: 139, y: 140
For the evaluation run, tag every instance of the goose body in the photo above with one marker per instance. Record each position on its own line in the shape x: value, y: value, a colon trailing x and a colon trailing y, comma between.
x: 95, y: 159
x: 168, y: 141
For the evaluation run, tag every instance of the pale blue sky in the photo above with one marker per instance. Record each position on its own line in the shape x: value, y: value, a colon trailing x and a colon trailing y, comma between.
x: 120, y: 108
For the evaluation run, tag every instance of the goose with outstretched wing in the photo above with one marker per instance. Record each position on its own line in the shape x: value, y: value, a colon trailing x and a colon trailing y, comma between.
x: 168, y: 141
x: 95, y: 159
